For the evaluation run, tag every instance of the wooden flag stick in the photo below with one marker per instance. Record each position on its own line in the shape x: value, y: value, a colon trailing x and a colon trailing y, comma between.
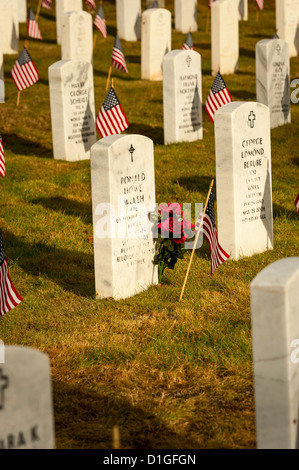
x: 38, y: 9
x: 196, y: 239
x: 18, y: 98
x: 94, y: 40
x: 108, y: 79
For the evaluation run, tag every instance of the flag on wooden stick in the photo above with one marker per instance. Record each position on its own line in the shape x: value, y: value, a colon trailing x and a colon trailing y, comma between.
x: 2, y: 159
x: 47, y: 4
x: 218, y: 96
x: 260, y: 4
x: 188, y: 44
x: 111, y: 118
x: 218, y: 255
x: 91, y: 4
x: 100, y: 22
x: 33, y: 30
x: 118, y: 58
x: 24, y: 72
x: 9, y: 298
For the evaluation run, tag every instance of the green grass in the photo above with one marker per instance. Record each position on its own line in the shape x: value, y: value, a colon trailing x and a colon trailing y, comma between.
x: 170, y: 375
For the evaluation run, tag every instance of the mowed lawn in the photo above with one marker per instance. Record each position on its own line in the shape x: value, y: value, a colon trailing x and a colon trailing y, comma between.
x: 170, y: 375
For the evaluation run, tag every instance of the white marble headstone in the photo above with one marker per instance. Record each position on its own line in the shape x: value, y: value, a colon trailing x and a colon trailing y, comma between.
x: 2, y: 91
x: 243, y: 9
x: 273, y: 79
x: 72, y: 109
x: 128, y: 17
x: 63, y: 6
x: 243, y: 178
x: 123, y: 195
x: 185, y: 15
x: 76, y: 36
x: 287, y: 24
x: 155, y: 41
x: 149, y: 3
x: 26, y: 407
x: 22, y: 8
x: 182, y: 96
x: 9, y: 26
x: 1, y: 64
x: 225, y: 37
x: 275, y: 340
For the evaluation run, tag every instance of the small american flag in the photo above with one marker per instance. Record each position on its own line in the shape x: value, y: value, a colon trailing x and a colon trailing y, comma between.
x: 297, y: 203
x: 100, y: 22
x: 47, y: 4
x: 218, y: 96
x: 111, y: 119
x: 24, y: 72
x: 218, y: 255
x: 91, y: 4
x: 118, y: 58
x: 260, y: 4
x: 188, y: 44
x: 9, y: 298
x: 2, y: 159
x: 32, y: 27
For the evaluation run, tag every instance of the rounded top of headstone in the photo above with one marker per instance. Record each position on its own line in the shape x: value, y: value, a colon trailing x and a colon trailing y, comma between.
x: 115, y: 139
x: 236, y: 108
x: 156, y: 12
x: 277, y: 275
x: 180, y: 52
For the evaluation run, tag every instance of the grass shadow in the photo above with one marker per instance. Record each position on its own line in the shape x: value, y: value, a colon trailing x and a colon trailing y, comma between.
x: 242, y: 95
x: 72, y: 270
x: 198, y: 184
x: 279, y: 211
x: 20, y: 146
x: 133, y: 59
x: 66, y: 206
x: 98, y: 412
x: 154, y: 133
x: 247, y: 52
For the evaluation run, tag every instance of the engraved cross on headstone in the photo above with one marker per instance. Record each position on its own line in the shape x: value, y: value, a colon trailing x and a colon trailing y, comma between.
x: 188, y: 60
x: 278, y: 49
x: 3, y: 385
x: 131, y: 150
x: 251, y: 119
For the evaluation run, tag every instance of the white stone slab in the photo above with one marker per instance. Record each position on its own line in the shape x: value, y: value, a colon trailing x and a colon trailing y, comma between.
x: 2, y: 91
x: 9, y: 26
x: 1, y: 64
x: 243, y: 178
x: 77, y: 36
x: 155, y: 42
x: 185, y: 15
x: 123, y: 195
x: 182, y: 96
x: 243, y: 9
x: 128, y: 17
x: 287, y: 24
x: 26, y: 407
x: 63, y: 6
x: 72, y: 109
x: 22, y: 8
x: 273, y: 79
x: 275, y: 340
x: 225, y: 37
x: 149, y: 3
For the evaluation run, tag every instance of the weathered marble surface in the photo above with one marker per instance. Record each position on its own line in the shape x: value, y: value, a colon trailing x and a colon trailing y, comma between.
x: 77, y: 36
x: 225, y: 37
x: 26, y: 405
x: 128, y: 16
x: 155, y: 41
x: 273, y: 79
x: 72, y: 109
x: 22, y: 11
x: 287, y: 15
x: 123, y: 194
x: 63, y: 6
x: 275, y: 340
x: 182, y: 96
x: 243, y: 178
x: 185, y: 15
x: 9, y: 26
